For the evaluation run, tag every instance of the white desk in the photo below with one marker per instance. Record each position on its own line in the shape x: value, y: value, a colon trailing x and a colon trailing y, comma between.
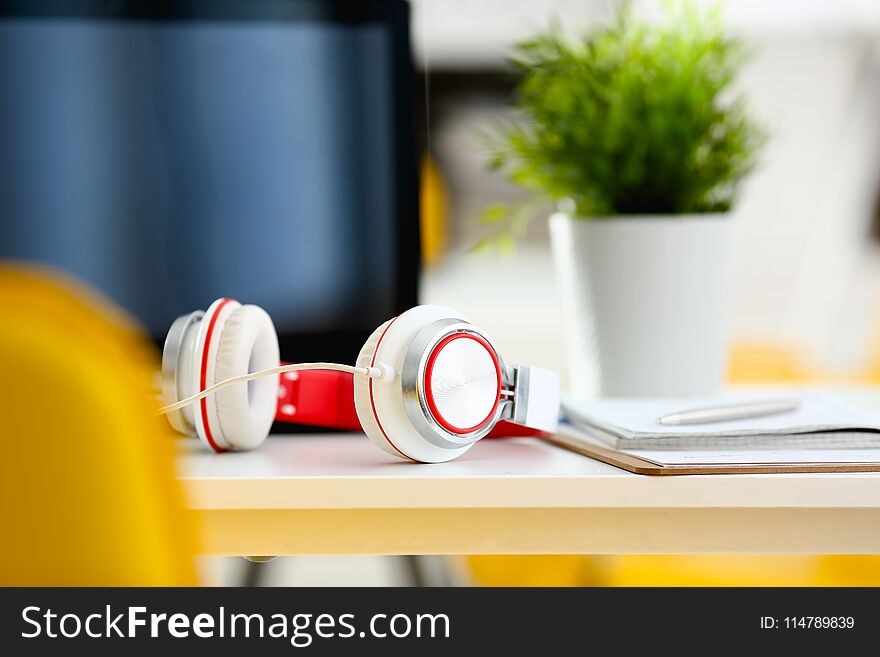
x: 341, y: 495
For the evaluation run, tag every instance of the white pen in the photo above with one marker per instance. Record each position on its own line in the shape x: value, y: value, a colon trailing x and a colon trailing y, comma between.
x: 739, y: 411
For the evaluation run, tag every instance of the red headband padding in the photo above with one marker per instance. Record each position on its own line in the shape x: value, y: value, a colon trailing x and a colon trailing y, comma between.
x: 322, y: 398
x: 319, y: 398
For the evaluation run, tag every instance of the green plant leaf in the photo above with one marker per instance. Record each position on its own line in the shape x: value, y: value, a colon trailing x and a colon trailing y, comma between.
x: 631, y: 118
x: 495, y: 213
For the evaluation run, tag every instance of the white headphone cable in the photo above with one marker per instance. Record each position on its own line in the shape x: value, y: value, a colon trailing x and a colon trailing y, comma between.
x: 380, y: 372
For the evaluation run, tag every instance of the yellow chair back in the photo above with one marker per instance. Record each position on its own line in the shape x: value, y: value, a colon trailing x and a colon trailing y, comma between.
x: 87, y: 492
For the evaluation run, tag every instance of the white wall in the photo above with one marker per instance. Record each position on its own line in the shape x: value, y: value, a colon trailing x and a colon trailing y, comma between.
x: 806, y: 272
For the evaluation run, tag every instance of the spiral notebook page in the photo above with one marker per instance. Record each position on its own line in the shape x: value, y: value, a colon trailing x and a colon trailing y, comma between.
x: 819, y: 422
x: 718, y: 461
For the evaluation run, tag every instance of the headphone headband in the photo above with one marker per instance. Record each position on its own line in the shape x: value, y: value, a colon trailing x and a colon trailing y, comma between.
x: 536, y: 398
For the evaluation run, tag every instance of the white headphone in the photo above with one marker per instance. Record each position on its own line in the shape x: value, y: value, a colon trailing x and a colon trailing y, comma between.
x: 427, y: 383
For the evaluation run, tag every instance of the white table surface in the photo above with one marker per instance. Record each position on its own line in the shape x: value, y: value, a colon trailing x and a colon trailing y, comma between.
x: 338, y: 494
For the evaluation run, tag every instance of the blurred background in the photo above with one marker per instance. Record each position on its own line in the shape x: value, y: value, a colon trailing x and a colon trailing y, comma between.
x: 806, y: 277
x: 360, y: 110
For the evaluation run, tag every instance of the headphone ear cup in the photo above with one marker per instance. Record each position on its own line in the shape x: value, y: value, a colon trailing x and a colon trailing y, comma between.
x: 245, y: 411
x: 381, y: 406
x: 362, y: 401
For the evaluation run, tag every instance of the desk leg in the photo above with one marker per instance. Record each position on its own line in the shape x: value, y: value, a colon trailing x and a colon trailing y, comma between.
x: 255, y: 572
x: 412, y: 570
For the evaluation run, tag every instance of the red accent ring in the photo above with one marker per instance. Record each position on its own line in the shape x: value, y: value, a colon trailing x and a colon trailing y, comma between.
x: 429, y: 392
x: 203, y: 377
x: 373, y: 402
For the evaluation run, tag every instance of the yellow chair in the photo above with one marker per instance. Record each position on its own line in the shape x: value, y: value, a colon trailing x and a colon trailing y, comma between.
x: 86, y: 479
x: 535, y: 570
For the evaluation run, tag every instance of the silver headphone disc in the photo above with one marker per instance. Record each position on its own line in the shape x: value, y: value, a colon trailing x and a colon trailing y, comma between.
x: 463, y: 382
x: 171, y: 354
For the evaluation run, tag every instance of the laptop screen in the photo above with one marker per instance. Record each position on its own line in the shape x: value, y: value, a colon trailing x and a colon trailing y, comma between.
x: 169, y: 162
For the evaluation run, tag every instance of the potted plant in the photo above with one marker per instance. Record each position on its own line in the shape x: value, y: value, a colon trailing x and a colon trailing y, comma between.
x: 634, y: 134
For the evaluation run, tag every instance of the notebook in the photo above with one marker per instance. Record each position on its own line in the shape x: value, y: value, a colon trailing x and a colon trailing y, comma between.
x: 718, y: 461
x: 821, y: 422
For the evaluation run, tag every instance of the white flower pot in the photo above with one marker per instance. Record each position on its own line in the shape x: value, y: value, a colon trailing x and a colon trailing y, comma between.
x: 645, y: 302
